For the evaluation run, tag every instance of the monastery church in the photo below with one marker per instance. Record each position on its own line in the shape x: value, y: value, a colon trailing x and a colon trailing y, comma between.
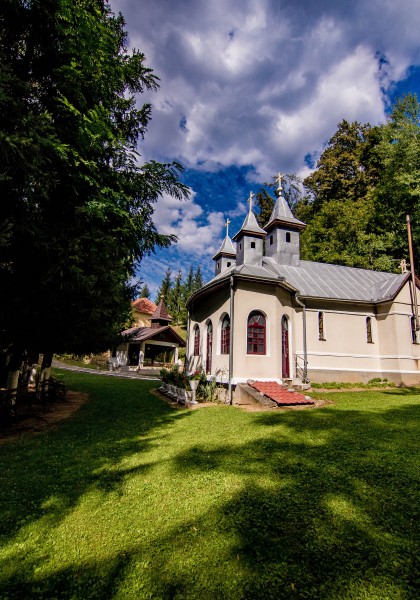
x: 274, y: 317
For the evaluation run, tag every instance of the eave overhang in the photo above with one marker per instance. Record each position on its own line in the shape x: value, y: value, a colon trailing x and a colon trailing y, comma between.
x: 292, y: 224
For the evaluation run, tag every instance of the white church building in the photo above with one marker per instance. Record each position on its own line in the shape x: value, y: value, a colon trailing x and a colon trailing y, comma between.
x: 270, y: 316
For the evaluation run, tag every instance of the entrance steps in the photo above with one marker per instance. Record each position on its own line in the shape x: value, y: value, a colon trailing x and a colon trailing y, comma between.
x: 296, y: 384
x: 270, y: 394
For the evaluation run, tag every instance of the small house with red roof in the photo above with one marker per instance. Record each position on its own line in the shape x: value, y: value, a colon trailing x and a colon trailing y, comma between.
x: 153, y: 344
x: 143, y: 309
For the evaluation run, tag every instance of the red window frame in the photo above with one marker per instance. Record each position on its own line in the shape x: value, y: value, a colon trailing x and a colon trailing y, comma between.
x: 225, y: 337
x: 256, y: 333
x: 196, y: 340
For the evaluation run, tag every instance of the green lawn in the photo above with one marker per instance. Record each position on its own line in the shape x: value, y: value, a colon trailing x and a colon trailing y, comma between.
x: 132, y: 499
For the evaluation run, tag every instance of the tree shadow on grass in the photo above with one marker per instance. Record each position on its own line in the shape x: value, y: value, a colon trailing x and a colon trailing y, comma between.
x: 322, y: 507
x: 44, y: 477
x: 328, y: 509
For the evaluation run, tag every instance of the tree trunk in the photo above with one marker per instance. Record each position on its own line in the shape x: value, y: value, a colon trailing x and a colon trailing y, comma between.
x: 15, y: 365
x: 45, y: 368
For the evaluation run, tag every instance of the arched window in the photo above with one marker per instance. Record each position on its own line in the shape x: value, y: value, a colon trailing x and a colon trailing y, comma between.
x: 252, y: 244
x: 321, y: 327
x: 369, y: 337
x: 288, y: 236
x: 271, y: 240
x: 209, y: 347
x: 225, y: 337
x: 256, y: 333
x: 196, y: 340
x: 228, y: 264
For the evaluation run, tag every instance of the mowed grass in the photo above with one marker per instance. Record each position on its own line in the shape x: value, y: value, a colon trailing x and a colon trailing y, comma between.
x: 132, y: 499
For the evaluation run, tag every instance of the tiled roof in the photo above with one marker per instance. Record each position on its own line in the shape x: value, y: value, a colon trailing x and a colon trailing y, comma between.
x: 141, y: 334
x: 144, y: 305
x: 161, y: 314
x: 278, y: 394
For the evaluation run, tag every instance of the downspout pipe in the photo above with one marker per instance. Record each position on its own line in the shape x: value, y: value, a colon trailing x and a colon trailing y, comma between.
x: 305, y: 352
x: 232, y: 291
x: 413, y: 276
x: 187, y: 346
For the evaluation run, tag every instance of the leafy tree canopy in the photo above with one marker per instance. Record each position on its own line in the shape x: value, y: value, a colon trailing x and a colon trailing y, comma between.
x: 365, y: 183
x: 76, y: 215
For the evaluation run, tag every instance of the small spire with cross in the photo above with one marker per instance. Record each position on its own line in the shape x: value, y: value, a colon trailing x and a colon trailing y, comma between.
x: 403, y: 266
x: 227, y: 226
x: 251, y: 195
x: 279, y: 179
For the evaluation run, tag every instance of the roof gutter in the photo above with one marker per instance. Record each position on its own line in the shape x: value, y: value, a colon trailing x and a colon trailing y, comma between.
x: 305, y: 352
x: 187, y: 345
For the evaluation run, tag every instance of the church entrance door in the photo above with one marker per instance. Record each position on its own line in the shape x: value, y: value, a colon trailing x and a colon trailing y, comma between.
x: 209, y: 347
x: 285, y: 363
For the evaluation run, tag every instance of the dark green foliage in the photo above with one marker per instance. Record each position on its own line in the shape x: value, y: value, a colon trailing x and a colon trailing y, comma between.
x: 264, y: 204
x: 145, y: 292
x: 165, y: 287
x: 77, y: 204
x: 177, y: 291
x: 365, y: 182
x: 397, y: 193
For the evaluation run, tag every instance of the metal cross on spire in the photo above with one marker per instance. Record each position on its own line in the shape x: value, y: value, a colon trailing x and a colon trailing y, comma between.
x: 251, y: 195
x: 279, y: 179
x: 227, y: 226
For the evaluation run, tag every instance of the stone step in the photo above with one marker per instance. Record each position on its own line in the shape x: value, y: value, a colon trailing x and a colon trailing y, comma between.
x: 295, y: 384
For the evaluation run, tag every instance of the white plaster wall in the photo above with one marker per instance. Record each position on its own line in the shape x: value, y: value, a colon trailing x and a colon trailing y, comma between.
x: 345, y: 355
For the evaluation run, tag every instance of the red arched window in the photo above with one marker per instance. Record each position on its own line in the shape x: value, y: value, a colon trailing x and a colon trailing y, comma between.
x: 225, y: 335
x: 196, y: 340
x: 256, y: 333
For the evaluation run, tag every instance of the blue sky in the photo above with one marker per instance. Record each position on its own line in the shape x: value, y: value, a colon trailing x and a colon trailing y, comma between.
x: 249, y: 88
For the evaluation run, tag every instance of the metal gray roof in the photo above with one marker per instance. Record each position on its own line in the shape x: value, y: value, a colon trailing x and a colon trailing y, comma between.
x: 281, y: 212
x: 337, y: 282
x: 319, y: 280
x: 226, y: 248
x: 250, y: 225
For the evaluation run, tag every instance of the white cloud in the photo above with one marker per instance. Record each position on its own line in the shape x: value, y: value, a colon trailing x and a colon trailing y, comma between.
x: 265, y: 82
x: 197, y: 232
x: 261, y: 83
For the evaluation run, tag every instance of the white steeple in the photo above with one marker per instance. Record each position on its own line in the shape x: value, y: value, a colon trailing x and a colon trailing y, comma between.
x: 283, y: 231
x: 225, y: 257
x: 249, y: 240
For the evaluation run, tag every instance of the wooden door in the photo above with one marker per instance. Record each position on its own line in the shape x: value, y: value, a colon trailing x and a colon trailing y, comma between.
x: 285, y: 362
x: 209, y: 347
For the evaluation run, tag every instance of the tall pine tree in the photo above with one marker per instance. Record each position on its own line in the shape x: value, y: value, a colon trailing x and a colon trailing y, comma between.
x: 76, y: 211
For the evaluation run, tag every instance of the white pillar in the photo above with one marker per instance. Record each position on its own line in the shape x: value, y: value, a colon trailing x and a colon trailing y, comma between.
x: 141, y: 354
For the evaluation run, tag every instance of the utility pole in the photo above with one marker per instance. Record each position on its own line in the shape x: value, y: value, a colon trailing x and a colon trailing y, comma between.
x: 413, y: 275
